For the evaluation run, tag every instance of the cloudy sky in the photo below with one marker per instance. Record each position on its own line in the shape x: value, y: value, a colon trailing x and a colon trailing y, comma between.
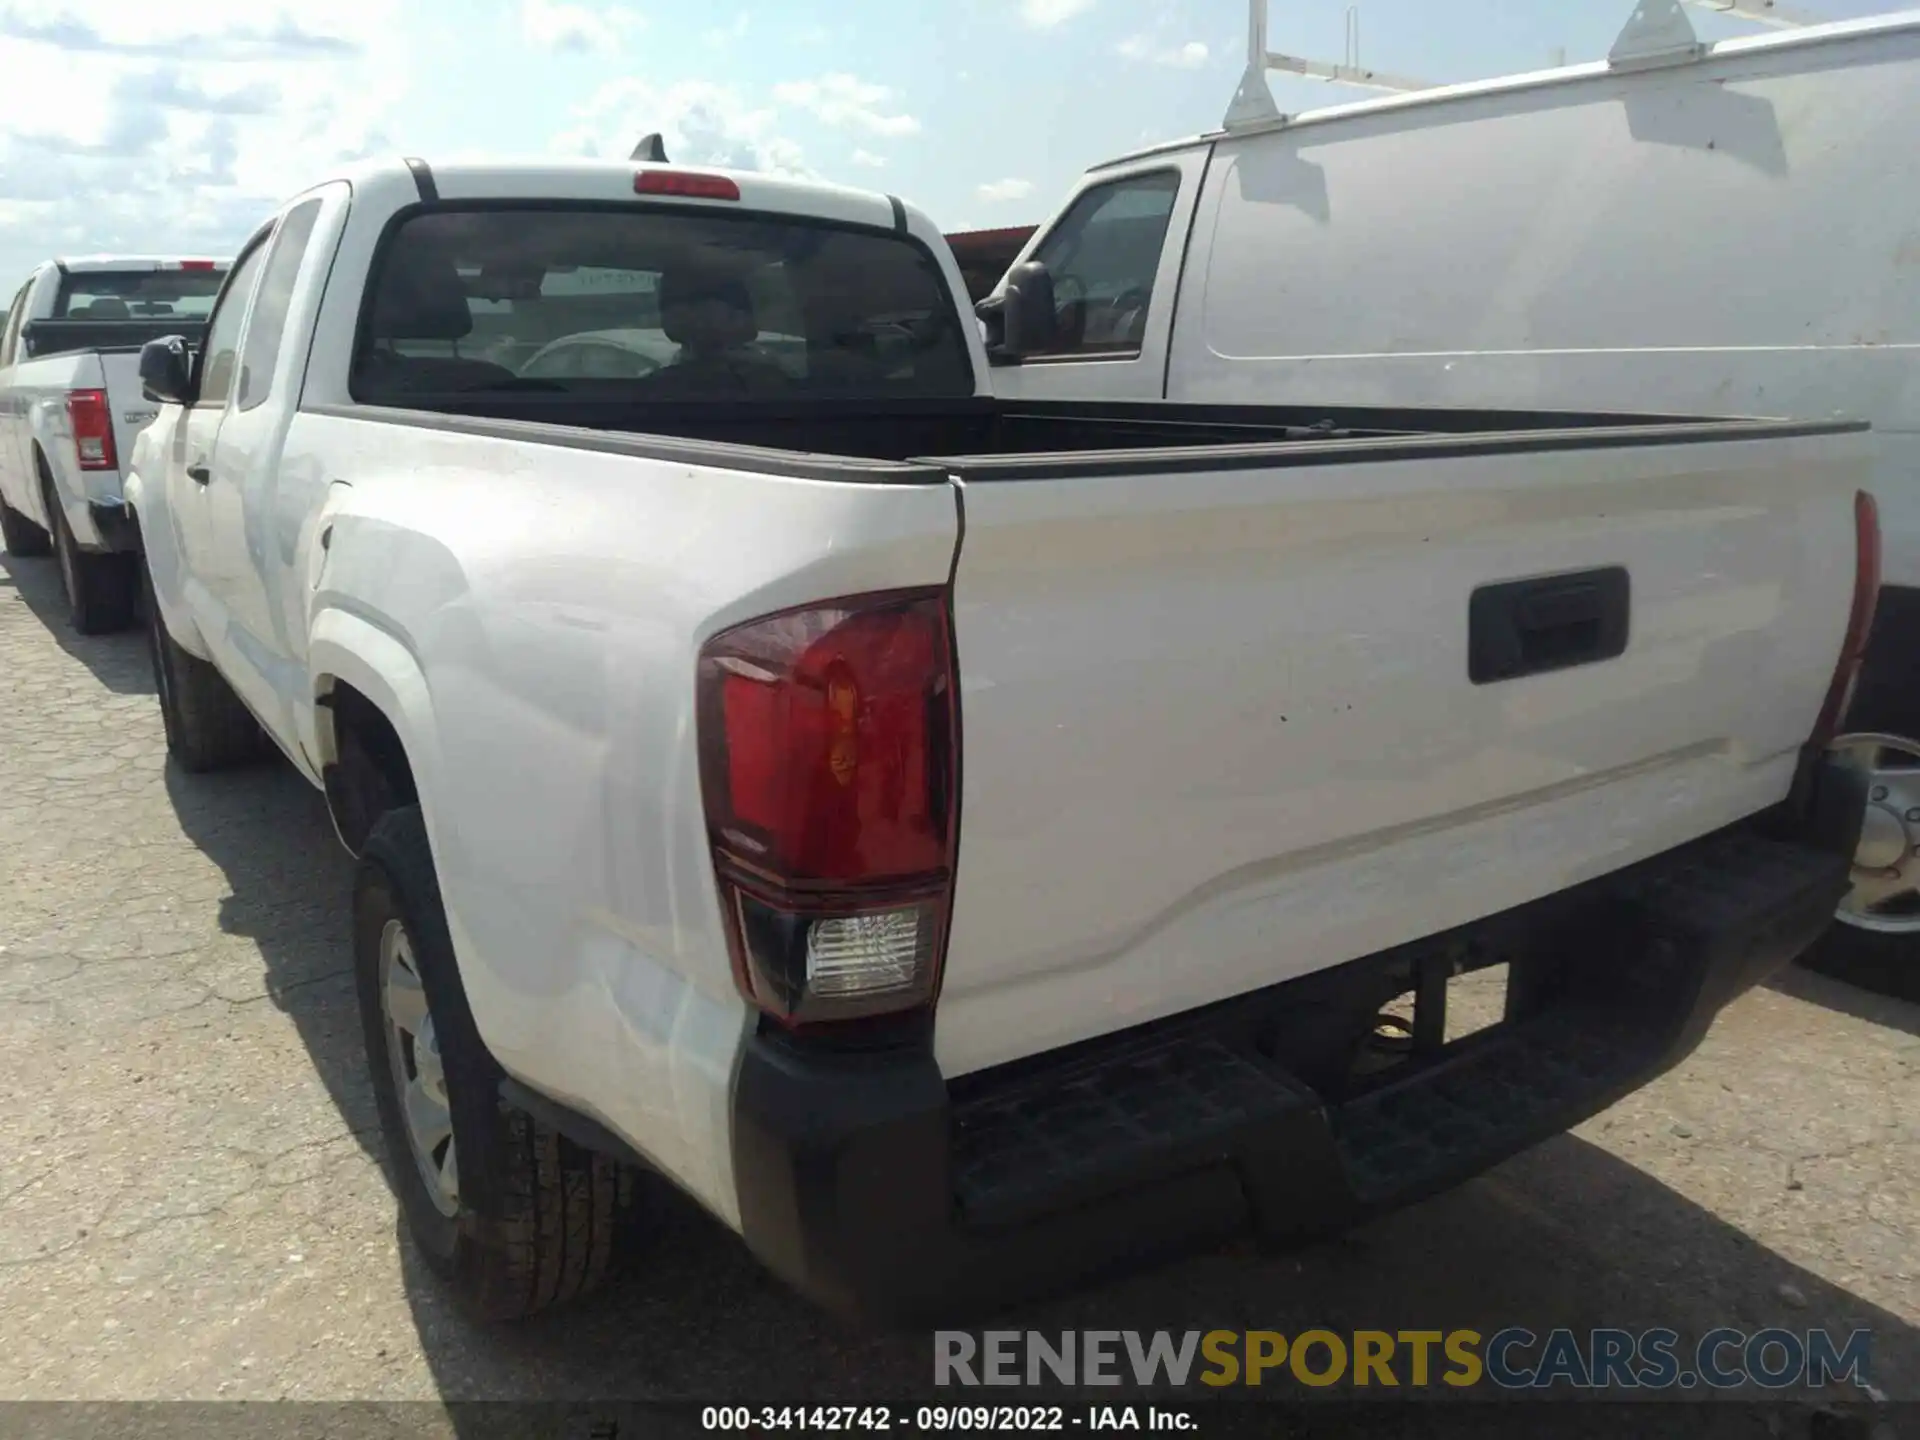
x: 145, y: 126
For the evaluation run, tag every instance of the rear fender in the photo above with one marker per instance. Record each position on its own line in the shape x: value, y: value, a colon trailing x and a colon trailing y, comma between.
x: 349, y: 649
x: 353, y: 650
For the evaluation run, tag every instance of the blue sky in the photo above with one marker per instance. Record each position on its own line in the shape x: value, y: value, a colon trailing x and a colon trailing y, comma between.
x: 126, y: 127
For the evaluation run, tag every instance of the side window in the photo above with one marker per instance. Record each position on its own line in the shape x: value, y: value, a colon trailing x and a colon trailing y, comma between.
x: 219, y: 351
x: 1103, y: 256
x: 270, y: 307
x: 16, y: 317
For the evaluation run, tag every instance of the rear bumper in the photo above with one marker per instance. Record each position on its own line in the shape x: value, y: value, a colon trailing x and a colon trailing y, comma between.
x: 879, y: 1189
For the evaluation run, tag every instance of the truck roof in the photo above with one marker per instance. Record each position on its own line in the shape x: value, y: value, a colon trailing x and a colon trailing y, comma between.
x: 92, y: 264
x: 548, y: 179
x: 1811, y: 35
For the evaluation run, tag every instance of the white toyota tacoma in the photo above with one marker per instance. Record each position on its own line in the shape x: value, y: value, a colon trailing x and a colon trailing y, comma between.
x: 961, y: 842
x: 70, y: 407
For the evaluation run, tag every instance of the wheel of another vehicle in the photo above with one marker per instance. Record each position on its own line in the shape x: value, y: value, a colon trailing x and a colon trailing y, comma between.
x: 207, y: 726
x: 100, y: 588
x: 515, y: 1217
x: 1875, y: 939
x: 22, y: 536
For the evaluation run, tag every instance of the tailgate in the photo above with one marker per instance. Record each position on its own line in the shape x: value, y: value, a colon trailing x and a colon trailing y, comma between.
x: 1219, y: 728
x: 131, y: 410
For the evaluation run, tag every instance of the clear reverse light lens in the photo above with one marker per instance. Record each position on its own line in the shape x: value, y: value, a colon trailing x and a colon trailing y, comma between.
x: 868, y: 954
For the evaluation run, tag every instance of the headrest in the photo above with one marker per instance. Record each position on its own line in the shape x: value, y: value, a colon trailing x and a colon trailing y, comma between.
x: 110, y: 308
x: 420, y: 297
x: 727, y: 318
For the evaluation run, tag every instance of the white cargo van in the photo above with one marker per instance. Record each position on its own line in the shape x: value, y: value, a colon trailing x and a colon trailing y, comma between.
x: 1730, y: 229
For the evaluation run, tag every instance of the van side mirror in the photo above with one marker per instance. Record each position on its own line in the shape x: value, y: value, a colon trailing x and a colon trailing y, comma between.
x: 166, y: 370
x: 1022, y: 313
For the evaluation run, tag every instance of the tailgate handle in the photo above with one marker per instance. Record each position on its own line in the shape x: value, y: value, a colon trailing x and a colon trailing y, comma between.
x: 1527, y: 627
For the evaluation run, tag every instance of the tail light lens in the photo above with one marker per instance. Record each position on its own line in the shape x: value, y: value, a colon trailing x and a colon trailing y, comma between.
x: 1866, y: 598
x: 828, y: 765
x: 92, y: 429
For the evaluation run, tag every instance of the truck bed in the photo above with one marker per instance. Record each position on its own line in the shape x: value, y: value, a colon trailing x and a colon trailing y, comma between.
x: 62, y: 337
x: 1278, y: 632
x: 994, y: 438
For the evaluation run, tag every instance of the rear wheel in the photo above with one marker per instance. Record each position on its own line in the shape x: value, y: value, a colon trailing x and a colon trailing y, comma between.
x: 1875, y: 940
x: 100, y: 587
x: 515, y: 1217
x: 207, y: 726
x: 23, y: 538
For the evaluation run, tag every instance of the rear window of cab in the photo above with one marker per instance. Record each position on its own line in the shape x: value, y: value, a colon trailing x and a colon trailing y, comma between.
x: 654, y: 304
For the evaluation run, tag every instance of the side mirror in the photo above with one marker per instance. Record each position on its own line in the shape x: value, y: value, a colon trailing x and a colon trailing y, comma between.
x: 166, y: 370
x: 1022, y: 312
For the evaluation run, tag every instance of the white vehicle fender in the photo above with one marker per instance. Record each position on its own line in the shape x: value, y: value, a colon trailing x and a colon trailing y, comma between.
x: 162, y: 561
x: 43, y: 440
x: 348, y: 649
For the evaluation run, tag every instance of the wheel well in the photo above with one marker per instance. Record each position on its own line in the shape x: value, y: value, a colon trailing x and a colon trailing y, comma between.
x: 369, y: 773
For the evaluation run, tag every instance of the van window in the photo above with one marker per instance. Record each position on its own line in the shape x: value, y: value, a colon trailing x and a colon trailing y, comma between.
x: 270, y: 306
x: 1103, y: 256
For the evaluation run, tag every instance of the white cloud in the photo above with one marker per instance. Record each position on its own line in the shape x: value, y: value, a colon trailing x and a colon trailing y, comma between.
x: 109, y: 27
x: 995, y: 191
x: 847, y: 100
x: 573, y: 28
x: 727, y: 34
x: 124, y: 127
x: 1190, y: 56
x: 1045, y: 14
x: 701, y: 123
x: 870, y: 160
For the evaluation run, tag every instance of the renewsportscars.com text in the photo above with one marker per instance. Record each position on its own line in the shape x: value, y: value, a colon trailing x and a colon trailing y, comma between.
x: 1514, y: 1358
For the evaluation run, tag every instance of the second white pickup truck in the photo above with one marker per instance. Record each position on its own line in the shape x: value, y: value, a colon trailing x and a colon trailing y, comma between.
x: 70, y: 407
x: 962, y: 843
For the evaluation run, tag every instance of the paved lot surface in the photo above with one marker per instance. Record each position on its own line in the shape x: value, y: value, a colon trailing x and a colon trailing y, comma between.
x: 191, y: 1205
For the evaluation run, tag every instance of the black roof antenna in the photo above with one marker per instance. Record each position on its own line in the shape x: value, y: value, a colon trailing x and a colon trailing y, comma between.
x: 651, y: 147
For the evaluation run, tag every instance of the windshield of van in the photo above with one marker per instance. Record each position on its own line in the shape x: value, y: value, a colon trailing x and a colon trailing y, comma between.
x: 654, y: 304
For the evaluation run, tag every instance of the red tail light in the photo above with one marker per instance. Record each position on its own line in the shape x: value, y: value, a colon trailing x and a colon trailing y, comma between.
x: 686, y: 184
x: 92, y: 429
x: 828, y: 765
x: 1866, y: 598
x: 198, y: 264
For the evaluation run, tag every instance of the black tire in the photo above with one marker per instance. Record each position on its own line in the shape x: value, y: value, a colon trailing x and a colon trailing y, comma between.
x: 23, y: 538
x: 207, y: 726
x: 101, y: 588
x: 1884, y: 964
x: 540, y: 1219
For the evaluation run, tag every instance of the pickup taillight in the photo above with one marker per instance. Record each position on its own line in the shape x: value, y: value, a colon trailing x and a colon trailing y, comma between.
x: 1866, y: 599
x: 92, y: 425
x: 828, y: 742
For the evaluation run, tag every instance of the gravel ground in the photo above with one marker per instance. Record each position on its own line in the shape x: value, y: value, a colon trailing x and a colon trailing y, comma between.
x: 191, y: 1204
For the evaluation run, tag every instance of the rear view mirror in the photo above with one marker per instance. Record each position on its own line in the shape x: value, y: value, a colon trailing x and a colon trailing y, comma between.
x: 166, y: 370
x: 1022, y: 313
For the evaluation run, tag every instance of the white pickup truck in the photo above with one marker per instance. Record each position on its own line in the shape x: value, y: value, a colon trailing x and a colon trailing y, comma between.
x: 70, y: 407
x: 962, y: 843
